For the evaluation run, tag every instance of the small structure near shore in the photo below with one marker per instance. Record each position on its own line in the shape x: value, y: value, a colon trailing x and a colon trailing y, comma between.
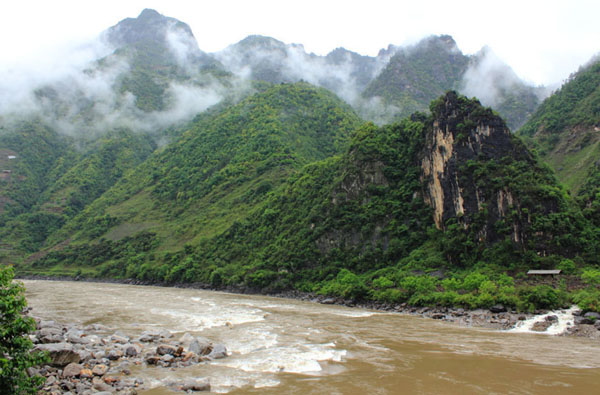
x: 552, y: 273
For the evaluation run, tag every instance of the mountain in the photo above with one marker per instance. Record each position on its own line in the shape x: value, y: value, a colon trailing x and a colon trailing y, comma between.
x: 208, y: 180
x: 417, y: 74
x: 40, y: 197
x: 262, y: 58
x: 444, y: 192
x: 565, y: 129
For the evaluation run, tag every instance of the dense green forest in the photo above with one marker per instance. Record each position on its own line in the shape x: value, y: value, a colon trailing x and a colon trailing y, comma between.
x: 565, y: 128
x: 345, y: 217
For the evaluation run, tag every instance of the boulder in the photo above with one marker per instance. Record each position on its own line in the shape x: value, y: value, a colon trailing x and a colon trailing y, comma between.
x: 498, y: 308
x: 151, y: 359
x: 592, y: 315
x: 200, y: 346
x: 84, y: 355
x: 119, y: 339
x: 580, y: 320
x: 164, y: 349
x: 61, y: 354
x: 50, y: 335
x: 186, y: 338
x: 190, y: 355
x: 132, y: 350
x: 168, y: 358
x: 148, y: 337
x: 195, y: 385
x: 72, y: 370
x: 541, y: 326
x: 86, y: 374
x: 114, y: 355
x: 99, y: 370
x: 219, y: 351
x: 552, y: 318
x: 100, y: 385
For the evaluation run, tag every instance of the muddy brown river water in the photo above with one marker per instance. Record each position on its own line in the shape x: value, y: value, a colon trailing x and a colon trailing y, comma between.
x: 283, y: 346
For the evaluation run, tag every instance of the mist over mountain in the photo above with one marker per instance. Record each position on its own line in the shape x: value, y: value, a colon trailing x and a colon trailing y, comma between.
x: 144, y: 73
x: 148, y: 73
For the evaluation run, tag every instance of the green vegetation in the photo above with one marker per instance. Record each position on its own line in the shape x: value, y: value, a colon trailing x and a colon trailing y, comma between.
x: 64, y: 186
x: 15, y: 346
x: 417, y: 75
x: 564, y: 129
x: 272, y: 194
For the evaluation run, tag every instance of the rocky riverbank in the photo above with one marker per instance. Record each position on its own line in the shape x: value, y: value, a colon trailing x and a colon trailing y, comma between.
x: 93, y: 359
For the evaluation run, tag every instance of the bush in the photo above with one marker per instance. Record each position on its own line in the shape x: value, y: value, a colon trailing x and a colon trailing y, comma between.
x: 567, y: 266
x: 591, y: 277
x: 15, y: 346
x: 543, y: 297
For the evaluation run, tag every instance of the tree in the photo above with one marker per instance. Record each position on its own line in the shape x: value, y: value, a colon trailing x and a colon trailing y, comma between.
x: 15, y: 346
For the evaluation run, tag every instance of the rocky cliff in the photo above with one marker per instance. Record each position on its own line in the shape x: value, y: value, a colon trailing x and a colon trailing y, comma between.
x: 470, y: 171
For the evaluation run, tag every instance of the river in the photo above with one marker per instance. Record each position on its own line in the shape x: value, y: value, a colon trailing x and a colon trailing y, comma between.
x: 295, y: 347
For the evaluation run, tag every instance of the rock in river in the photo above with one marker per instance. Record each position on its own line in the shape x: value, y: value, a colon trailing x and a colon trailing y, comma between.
x: 61, y: 354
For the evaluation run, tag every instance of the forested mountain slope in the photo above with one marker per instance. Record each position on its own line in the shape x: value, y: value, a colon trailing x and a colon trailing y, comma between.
x: 453, y: 191
x: 566, y: 127
x: 216, y: 173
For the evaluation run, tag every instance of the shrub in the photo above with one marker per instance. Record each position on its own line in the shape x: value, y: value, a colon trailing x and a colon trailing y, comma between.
x: 15, y: 346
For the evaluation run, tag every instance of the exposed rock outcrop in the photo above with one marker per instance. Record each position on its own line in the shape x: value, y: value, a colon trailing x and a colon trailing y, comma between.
x: 464, y: 141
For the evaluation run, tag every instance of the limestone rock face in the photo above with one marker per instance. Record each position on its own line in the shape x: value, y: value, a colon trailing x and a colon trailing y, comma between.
x: 463, y: 134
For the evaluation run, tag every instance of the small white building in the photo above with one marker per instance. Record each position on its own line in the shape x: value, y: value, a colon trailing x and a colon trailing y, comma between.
x: 12, y: 157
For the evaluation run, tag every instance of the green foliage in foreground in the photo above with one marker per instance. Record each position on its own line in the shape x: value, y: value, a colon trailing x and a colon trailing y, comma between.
x: 15, y: 346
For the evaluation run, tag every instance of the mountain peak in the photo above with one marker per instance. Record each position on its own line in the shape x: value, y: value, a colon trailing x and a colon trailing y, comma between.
x: 149, y: 13
x: 149, y: 27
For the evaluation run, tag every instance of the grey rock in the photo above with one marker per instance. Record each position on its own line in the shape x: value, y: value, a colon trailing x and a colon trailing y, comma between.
x: 119, y: 339
x: 61, y: 354
x: 186, y: 338
x: 100, y: 385
x: 84, y: 355
x: 195, y: 385
x: 579, y: 320
x: 552, y: 318
x: 72, y: 370
x: 114, y: 355
x: 328, y: 301
x: 131, y: 350
x: 99, y: 370
x: 541, y: 326
x: 148, y: 337
x: 498, y: 308
x: 50, y: 381
x: 81, y: 387
x: 167, y: 358
x: 50, y: 335
x: 219, y: 351
x: 200, y: 346
x: 592, y: 315
x: 163, y: 349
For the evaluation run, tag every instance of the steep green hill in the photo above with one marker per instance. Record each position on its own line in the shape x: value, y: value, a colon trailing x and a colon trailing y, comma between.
x: 566, y: 127
x: 73, y: 180
x: 215, y: 174
x: 452, y: 193
x: 415, y: 76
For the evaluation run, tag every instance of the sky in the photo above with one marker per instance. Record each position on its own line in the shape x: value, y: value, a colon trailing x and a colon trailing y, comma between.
x: 543, y: 41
